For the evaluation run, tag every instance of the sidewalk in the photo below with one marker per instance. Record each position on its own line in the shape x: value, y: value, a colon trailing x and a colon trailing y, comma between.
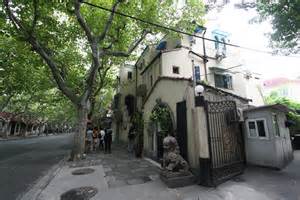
x: 120, y: 176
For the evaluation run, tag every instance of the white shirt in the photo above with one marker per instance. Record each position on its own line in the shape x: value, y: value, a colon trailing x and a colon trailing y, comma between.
x: 102, y: 133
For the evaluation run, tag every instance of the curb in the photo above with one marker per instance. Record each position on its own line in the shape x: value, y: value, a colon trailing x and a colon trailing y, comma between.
x: 21, y: 138
x: 30, y: 137
x: 34, y: 192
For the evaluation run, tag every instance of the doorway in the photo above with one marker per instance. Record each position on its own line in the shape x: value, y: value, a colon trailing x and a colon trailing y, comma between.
x: 161, y: 118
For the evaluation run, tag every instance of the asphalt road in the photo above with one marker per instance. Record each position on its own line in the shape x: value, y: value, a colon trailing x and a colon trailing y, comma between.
x: 23, y: 162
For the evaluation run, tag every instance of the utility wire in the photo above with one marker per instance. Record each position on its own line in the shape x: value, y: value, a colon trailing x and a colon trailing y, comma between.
x: 225, y: 69
x: 176, y: 30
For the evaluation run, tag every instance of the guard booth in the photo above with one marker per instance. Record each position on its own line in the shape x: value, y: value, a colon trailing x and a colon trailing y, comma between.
x: 267, y: 137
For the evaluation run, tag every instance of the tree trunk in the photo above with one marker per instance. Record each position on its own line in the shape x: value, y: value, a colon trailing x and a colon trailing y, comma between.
x: 79, y: 137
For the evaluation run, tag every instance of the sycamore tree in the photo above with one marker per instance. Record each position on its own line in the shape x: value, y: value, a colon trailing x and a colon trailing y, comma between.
x: 274, y: 98
x: 25, y: 87
x: 73, y: 36
x: 285, y: 19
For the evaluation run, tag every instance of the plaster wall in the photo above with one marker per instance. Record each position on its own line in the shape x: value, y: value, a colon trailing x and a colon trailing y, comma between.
x: 179, y: 58
x: 171, y: 92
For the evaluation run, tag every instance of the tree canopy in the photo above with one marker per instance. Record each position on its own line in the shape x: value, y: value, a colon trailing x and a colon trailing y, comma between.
x: 285, y: 19
x: 274, y: 98
x: 75, y: 40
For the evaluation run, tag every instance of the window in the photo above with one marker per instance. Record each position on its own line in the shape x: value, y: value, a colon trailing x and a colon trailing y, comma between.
x: 151, y: 80
x: 220, y: 43
x: 257, y: 128
x: 223, y: 81
x: 252, y: 129
x: 197, y: 73
x: 175, y: 70
x: 129, y: 75
x: 276, y: 126
x: 261, y: 128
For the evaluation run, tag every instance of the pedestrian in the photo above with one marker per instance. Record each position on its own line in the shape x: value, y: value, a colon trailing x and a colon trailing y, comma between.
x: 89, y: 139
x: 131, y: 137
x: 95, y: 138
x: 108, y: 140
x: 101, y: 138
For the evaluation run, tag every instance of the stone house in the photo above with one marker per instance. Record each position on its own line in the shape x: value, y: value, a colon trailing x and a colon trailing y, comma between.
x: 166, y: 78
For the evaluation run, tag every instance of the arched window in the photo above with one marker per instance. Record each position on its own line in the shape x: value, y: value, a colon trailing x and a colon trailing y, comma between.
x: 129, y: 102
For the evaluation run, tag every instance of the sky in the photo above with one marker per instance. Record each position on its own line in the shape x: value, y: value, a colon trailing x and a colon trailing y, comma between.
x: 235, y: 21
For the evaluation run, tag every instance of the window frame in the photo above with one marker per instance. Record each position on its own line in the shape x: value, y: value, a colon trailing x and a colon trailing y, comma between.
x: 256, y: 129
x: 275, y: 122
x: 230, y: 85
x: 197, y: 76
x: 175, y: 67
x: 131, y: 75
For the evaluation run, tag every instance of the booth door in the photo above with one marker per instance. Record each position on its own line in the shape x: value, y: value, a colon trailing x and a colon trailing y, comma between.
x: 283, y: 140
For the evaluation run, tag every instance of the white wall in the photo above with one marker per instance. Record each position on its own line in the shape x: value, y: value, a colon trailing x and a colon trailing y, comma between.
x: 172, y: 92
x: 179, y: 58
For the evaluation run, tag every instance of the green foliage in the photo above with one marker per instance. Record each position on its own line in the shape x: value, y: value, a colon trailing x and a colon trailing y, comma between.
x: 285, y: 18
x: 26, y: 84
x: 55, y: 27
x: 162, y: 116
x: 274, y: 98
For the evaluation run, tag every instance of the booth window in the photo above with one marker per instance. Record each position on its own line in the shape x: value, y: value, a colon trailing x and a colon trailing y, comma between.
x: 276, y: 126
x: 261, y: 128
x: 257, y: 128
x: 252, y: 129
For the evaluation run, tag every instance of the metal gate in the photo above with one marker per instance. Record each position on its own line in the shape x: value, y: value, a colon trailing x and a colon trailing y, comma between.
x: 225, y: 141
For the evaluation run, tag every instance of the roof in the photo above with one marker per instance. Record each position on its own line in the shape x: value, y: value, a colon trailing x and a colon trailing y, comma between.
x: 223, y: 91
x: 190, y: 80
x: 278, y: 107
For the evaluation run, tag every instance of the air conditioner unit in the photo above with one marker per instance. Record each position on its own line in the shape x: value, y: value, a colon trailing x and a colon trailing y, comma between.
x: 219, y: 55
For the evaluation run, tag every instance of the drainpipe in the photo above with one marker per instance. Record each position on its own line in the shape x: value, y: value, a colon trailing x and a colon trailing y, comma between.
x: 204, y: 55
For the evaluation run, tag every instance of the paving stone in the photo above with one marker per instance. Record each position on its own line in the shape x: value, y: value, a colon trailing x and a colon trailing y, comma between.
x: 154, y: 177
x: 122, y: 169
x: 117, y: 183
x: 106, y: 169
x: 135, y: 181
x: 110, y: 179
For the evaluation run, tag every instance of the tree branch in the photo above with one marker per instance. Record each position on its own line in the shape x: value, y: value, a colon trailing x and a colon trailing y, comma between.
x: 35, y: 16
x: 130, y: 50
x: 6, y: 102
x: 42, y: 52
x: 109, y: 21
x: 82, y: 22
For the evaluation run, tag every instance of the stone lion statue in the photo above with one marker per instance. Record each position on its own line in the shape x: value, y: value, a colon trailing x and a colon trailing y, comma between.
x: 172, y: 160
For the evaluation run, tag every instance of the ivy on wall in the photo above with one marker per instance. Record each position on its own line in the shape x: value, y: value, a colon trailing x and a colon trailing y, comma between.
x: 162, y: 117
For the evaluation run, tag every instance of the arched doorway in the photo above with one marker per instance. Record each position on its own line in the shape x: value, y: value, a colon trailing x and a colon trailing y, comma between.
x: 130, y: 102
x: 161, y: 119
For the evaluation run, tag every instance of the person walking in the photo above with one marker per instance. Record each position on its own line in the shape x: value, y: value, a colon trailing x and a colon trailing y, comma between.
x: 95, y: 138
x: 101, y: 138
x: 89, y: 140
x: 108, y: 140
x: 131, y: 138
